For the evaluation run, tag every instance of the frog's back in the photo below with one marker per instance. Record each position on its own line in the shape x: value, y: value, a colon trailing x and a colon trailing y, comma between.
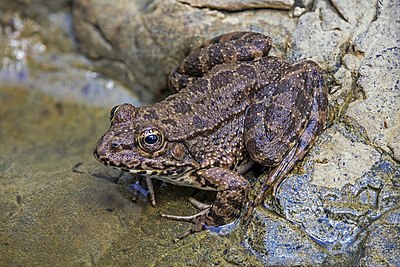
x: 211, y: 101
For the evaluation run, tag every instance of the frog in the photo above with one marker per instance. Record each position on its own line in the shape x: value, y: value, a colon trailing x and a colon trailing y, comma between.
x: 234, y: 106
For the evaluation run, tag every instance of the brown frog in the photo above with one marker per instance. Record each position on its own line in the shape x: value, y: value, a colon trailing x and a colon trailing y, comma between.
x: 234, y: 106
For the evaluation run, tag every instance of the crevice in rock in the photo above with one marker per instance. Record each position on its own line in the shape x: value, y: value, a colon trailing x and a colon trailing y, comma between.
x: 338, y: 11
x: 96, y: 27
x: 233, y: 9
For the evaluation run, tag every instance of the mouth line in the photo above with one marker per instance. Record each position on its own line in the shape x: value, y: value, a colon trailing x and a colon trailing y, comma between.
x: 153, y: 172
x: 169, y: 170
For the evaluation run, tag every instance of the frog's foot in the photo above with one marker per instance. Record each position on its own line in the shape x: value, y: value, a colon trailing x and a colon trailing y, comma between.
x: 192, y: 218
x: 196, y: 219
x: 199, y: 220
x: 198, y: 204
x: 138, y: 189
x: 232, y: 192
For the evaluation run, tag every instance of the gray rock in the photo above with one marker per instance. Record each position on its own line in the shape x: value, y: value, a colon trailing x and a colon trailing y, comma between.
x: 324, y: 31
x: 238, y: 5
x: 339, y: 206
x: 142, y: 42
x: 382, y: 245
x: 34, y: 8
x: 42, y: 55
x: 277, y: 242
x: 378, y: 112
x: 329, y: 207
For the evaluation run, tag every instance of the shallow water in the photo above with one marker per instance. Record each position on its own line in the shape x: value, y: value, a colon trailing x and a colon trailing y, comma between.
x: 60, y: 206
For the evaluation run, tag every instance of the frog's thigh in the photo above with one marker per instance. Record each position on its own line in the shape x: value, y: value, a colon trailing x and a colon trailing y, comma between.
x: 232, y: 191
x: 314, y: 126
x: 277, y: 116
x: 226, y: 48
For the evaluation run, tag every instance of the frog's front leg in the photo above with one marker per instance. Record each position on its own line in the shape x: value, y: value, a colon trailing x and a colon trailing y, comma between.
x: 232, y: 190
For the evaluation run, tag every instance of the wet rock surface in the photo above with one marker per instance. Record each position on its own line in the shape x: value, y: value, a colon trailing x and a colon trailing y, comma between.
x: 338, y: 207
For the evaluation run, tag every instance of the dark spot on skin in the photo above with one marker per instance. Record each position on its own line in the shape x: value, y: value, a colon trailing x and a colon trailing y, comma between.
x: 112, y: 164
x: 246, y: 71
x: 122, y: 165
x: 215, y: 56
x: 170, y: 122
x: 197, y: 177
x: 198, y: 122
x: 141, y: 172
x: 217, y: 164
x: 209, y: 184
x: 150, y: 115
x: 182, y: 107
x: 192, y: 64
x: 221, y: 79
x: 235, y: 203
x: 201, y: 86
x: 217, y: 219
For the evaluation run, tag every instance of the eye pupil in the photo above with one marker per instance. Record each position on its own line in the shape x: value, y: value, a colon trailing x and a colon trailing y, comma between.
x: 151, y: 139
x: 114, y: 145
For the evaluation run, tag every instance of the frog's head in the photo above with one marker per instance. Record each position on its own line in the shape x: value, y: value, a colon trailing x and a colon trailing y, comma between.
x: 138, y: 145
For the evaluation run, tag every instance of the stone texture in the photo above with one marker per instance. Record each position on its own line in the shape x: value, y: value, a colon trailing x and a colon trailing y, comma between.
x: 143, y: 43
x: 34, y: 8
x: 276, y: 241
x: 42, y: 55
x: 59, y: 207
x: 338, y: 207
x: 342, y: 159
x: 383, y: 242
x: 337, y: 214
x: 236, y: 5
x: 378, y: 112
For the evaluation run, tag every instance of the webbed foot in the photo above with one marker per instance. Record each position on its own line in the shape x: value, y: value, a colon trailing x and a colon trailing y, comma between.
x: 199, y: 219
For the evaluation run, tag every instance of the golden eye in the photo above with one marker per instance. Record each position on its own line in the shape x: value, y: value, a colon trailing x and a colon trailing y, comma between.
x: 151, y: 140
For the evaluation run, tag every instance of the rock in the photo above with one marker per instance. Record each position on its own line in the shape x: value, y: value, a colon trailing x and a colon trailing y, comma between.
x: 142, y: 43
x: 339, y: 206
x: 277, y: 242
x: 378, y: 112
x: 342, y: 159
x: 42, y: 55
x: 236, y: 5
x: 34, y: 8
x: 324, y: 213
x: 325, y: 31
x: 382, y: 245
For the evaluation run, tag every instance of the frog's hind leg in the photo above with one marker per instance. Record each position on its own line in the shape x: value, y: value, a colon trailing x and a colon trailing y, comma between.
x: 226, y: 48
x: 232, y: 190
x: 312, y: 79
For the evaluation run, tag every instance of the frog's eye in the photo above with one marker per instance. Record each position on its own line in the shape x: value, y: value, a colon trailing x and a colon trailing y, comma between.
x: 151, y: 140
x: 112, y: 112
